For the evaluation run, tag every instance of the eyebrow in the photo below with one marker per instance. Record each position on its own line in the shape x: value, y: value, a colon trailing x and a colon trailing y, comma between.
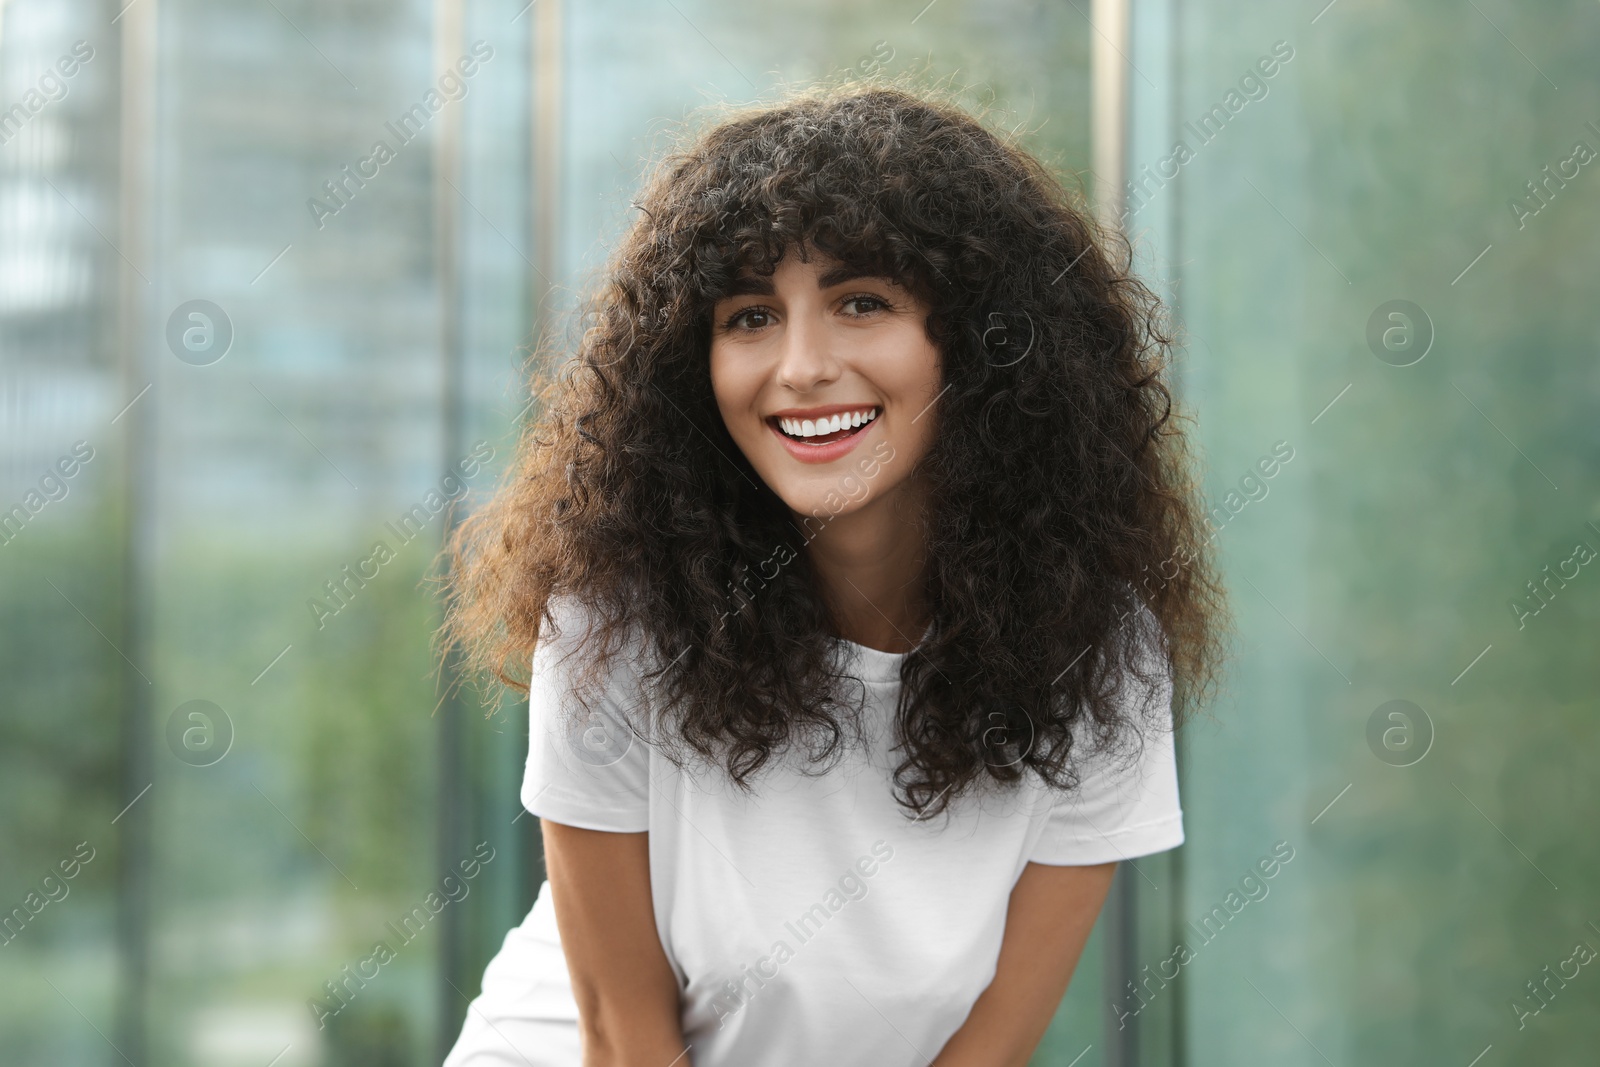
x: 761, y: 285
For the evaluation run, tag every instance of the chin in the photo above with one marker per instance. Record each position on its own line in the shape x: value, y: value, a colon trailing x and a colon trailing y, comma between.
x: 852, y: 484
x: 834, y: 502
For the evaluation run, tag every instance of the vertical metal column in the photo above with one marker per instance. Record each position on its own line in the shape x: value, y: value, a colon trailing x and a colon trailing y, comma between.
x: 1177, y: 874
x: 1111, y: 29
x: 1108, y: 66
x: 546, y: 50
x: 454, y: 803
x: 134, y: 829
x: 549, y: 75
x: 1121, y: 917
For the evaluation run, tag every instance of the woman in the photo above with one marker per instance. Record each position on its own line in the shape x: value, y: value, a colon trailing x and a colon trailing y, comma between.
x: 856, y: 565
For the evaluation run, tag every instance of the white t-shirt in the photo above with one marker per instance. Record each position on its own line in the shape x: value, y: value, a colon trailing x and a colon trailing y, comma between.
x: 816, y: 922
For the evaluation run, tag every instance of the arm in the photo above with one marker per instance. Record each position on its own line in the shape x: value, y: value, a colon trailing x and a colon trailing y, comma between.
x: 1051, y: 912
x: 626, y: 992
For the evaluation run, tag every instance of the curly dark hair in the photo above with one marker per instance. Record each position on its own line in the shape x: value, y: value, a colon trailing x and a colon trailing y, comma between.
x: 1060, y: 502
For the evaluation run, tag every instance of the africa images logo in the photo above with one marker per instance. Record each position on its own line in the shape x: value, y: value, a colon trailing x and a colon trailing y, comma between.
x: 348, y: 183
x: 1252, y: 888
x: 735, y: 996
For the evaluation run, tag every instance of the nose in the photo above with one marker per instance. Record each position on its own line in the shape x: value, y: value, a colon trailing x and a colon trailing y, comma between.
x: 806, y: 359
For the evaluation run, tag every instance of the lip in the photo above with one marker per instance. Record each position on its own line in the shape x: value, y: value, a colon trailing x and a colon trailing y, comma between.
x: 821, y: 453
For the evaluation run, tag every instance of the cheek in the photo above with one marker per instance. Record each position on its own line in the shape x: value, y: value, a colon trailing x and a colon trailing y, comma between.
x: 734, y: 392
x: 915, y: 384
x: 915, y: 441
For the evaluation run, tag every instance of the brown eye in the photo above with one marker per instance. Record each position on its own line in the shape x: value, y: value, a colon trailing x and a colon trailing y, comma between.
x: 732, y: 322
x: 874, y: 303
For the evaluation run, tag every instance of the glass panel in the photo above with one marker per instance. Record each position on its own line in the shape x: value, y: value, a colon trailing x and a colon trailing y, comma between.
x: 62, y: 578
x: 1379, y: 224
x: 278, y: 344
x: 215, y: 621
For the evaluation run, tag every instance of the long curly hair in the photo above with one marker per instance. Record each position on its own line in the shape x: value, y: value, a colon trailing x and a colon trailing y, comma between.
x: 1060, y: 510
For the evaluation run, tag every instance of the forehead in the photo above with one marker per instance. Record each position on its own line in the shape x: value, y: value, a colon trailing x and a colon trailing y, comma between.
x: 829, y: 272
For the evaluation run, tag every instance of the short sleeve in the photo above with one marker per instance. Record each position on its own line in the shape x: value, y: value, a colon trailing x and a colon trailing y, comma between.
x: 1123, y: 807
x: 587, y: 767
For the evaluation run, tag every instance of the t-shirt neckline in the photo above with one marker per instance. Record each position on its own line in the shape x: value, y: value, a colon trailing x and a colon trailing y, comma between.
x: 876, y: 665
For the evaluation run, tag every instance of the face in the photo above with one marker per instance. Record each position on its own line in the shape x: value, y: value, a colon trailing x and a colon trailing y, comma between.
x: 826, y: 383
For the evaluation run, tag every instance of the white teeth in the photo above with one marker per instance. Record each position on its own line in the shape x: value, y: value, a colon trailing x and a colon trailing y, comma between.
x: 833, y: 424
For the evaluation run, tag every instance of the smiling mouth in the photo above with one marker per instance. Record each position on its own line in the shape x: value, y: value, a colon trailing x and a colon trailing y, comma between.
x: 828, y: 430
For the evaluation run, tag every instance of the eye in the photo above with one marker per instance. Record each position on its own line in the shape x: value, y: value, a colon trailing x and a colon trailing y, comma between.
x: 873, y: 302
x: 732, y: 321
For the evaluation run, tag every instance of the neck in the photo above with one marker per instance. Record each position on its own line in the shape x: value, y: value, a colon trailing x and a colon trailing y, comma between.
x: 872, y: 565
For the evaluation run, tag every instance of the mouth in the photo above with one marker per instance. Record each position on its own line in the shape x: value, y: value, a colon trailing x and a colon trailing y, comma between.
x: 825, y: 430
x: 825, y: 438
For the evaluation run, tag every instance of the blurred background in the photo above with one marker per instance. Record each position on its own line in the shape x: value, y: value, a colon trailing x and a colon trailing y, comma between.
x: 251, y: 366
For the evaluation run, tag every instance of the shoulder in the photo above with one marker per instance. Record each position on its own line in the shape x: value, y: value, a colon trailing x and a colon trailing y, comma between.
x: 1144, y: 684
x: 576, y: 661
x: 1138, y: 726
x: 571, y: 626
